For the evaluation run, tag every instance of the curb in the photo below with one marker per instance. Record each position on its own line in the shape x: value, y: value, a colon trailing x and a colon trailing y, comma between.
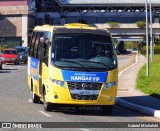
x: 139, y: 108
x: 142, y: 109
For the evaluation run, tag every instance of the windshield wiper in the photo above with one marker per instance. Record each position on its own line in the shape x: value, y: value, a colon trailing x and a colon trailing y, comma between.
x: 101, y: 64
x: 76, y: 63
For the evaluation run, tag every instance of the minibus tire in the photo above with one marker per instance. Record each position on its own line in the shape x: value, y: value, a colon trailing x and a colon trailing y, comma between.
x: 35, y: 98
x: 107, y: 109
x: 47, y: 105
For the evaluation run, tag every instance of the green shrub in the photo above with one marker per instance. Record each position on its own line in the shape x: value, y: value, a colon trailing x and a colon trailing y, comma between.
x: 141, y: 24
x: 114, y: 24
x: 156, y: 49
x: 150, y: 85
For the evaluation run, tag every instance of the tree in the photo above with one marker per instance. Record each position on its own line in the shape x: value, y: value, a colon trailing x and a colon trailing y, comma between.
x: 141, y: 24
x: 114, y: 24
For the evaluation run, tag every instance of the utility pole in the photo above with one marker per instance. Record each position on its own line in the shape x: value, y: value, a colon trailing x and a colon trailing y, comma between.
x: 151, y: 34
x: 147, y: 53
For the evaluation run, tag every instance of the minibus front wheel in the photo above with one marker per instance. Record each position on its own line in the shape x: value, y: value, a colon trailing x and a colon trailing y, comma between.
x: 35, y: 98
x: 47, y: 105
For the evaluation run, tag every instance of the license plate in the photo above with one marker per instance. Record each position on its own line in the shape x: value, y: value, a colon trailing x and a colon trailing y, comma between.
x: 8, y: 60
x: 85, y: 93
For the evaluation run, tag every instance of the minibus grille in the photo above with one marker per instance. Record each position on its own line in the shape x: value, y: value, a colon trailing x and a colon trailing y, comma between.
x: 84, y: 86
x: 76, y: 87
x: 84, y: 97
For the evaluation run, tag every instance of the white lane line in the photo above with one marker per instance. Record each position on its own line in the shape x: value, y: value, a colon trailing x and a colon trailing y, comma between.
x: 119, y: 74
x: 44, y: 113
x: 3, y: 70
x: 19, y: 66
x: 30, y: 101
x: 83, y: 129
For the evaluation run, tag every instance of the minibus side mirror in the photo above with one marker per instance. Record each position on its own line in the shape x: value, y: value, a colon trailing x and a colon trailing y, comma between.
x: 44, y: 41
x: 47, y: 42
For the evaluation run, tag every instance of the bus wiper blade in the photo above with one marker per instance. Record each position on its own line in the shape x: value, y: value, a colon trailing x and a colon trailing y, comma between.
x: 76, y: 63
x: 101, y: 64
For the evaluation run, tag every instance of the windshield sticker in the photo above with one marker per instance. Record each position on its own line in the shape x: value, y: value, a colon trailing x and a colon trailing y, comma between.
x: 85, y: 76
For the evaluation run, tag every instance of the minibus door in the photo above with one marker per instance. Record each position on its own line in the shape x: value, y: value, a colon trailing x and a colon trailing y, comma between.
x: 40, y: 67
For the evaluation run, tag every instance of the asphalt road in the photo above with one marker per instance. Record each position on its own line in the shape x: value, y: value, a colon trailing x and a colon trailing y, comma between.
x: 16, y: 105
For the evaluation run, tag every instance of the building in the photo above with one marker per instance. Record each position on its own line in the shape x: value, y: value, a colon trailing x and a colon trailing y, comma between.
x: 15, y: 22
x: 18, y: 17
x: 99, y: 13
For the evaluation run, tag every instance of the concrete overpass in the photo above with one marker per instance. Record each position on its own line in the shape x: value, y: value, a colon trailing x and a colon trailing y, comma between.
x: 129, y: 32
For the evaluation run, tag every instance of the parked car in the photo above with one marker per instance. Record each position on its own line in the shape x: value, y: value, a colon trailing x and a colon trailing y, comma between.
x: 23, y: 53
x: 0, y: 62
x: 10, y: 56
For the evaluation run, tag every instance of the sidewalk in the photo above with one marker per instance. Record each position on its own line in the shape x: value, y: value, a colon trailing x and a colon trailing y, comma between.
x: 130, y: 97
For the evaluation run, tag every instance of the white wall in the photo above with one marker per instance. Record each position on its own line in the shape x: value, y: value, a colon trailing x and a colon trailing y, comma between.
x: 24, y: 30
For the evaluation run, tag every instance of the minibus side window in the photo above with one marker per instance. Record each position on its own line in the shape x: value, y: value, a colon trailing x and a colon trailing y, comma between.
x: 31, y: 53
x: 37, y: 45
x: 46, y: 48
x: 46, y: 55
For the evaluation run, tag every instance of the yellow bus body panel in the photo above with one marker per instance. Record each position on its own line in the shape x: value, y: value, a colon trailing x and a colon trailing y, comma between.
x: 64, y: 96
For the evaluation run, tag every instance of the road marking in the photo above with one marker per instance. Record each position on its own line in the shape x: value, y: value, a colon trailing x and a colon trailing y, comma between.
x: 18, y: 66
x: 3, y: 70
x: 121, y: 72
x: 44, y: 113
x: 30, y: 101
x: 83, y: 129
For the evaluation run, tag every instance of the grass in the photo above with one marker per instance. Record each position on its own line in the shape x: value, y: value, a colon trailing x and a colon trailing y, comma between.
x: 150, y: 85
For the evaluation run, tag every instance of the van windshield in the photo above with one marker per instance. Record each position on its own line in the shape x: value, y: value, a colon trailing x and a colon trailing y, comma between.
x: 83, y: 51
x: 9, y: 52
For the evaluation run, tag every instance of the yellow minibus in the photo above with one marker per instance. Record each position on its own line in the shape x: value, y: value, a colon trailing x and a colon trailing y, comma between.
x: 74, y: 65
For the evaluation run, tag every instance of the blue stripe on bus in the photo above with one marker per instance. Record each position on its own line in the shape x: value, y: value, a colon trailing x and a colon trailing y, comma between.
x: 84, y: 76
x: 34, y: 68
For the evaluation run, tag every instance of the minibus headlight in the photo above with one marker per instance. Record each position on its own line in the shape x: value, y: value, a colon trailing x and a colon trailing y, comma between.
x: 110, y: 84
x: 58, y: 82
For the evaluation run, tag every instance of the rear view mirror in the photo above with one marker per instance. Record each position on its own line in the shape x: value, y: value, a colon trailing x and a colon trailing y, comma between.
x: 44, y: 41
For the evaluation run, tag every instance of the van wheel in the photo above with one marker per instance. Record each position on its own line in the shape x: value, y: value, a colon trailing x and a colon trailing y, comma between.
x: 107, y: 110
x: 47, y: 105
x: 0, y: 67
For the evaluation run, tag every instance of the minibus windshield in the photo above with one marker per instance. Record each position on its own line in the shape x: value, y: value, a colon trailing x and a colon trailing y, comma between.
x: 82, y: 50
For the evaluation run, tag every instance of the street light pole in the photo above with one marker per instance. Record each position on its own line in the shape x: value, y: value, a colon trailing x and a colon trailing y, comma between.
x: 147, y: 57
x: 151, y: 34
